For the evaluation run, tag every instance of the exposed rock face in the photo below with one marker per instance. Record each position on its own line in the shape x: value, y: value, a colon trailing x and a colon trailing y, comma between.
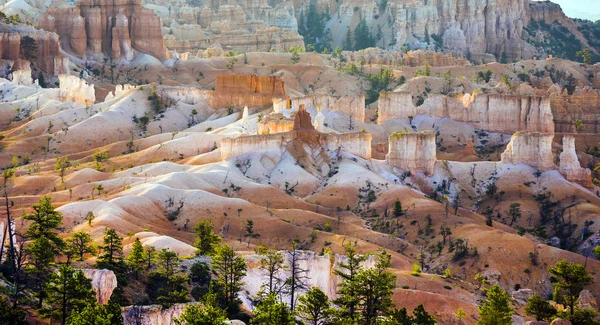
x: 560, y: 321
x: 412, y: 152
x: 350, y: 105
x: 530, y: 148
x: 236, y: 83
x: 522, y: 295
x: 569, y: 164
x: 275, y: 123
x: 245, y: 90
x: 358, y: 144
x: 468, y: 25
x: 583, y: 105
x: 587, y: 300
x: 434, y: 59
x: 76, y: 90
x: 49, y: 57
x: 115, y: 28
x: 103, y: 282
x: 494, y: 113
x: 153, y: 315
x: 22, y: 77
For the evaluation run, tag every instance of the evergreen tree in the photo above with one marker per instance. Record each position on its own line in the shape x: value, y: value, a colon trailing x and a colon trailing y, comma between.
x: 314, y: 307
x: 167, y: 285
x: 540, y: 308
x: 68, y: 291
x: 397, y: 211
x: 297, y: 279
x: 96, y: 314
x: 374, y: 288
x: 136, y: 259
x: 10, y: 315
x: 271, y: 311
x: 79, y: 244
x: 45, y: 222
x: 39, y: 269
x: 250, y: 234
x: 347, y: 289
x: 362, y: 36
x: 112, y: 249
x: 348, y: 42
x: 206, y: 240
x: 571, y: 279
x: 496, y: 310
x: 197, y: 315
x: 229, y: 270
x: 62, y: 164
x: 420, y: 317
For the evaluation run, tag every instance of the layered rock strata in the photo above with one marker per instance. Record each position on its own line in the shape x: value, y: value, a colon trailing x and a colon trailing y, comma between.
x: 582, y: 105
x: 353, y: 106
x: 495, y: 113
x: 48, y: 54
x: 569, y: 164
x: 358, y: 144
x: 234, y: 90
x: 115, y: 28
x: 414, y: 152
x: 153, y: 314
x: 530, y: 148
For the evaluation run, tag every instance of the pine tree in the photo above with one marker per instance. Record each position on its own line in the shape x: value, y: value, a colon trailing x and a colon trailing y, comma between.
x: 45, y: 222
x: 197, y: 315
x: 206, y: 240
x: 136, y: 259
x: 496, y: 310
x: 167, y: 285
x: 540, y: 308
x: 397, y: 210
x: 348, y: 272
x: 314, y: 307
x: 297, y: 279
x: 68, y: 292
x: 362, y: 36
x: 572, y: 278
x: 271, y: 311
x: 374, y: 288
x: 229, y: 270
x: 112, y: 250
x: 10, y: 315
x: 250, y: 234
x: 41, y: 262
x: 62, y: 164
x: 95, y: 314
x: 79, y: 244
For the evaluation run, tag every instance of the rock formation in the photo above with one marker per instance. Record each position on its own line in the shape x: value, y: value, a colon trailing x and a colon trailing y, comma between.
x: 103, y: 282
x: 582, y: 105
x: 233, y: 90
x: 495, y: 113
x: 153, y: 314
x: 102, y: 26
x: 353, y: 106
x: 73, y: 89
x: 358, y: 144
x: 530, y: 148
x: 569, y: 164
x: 434, y: 59
x: 48, y: 54
x: 412, y: 152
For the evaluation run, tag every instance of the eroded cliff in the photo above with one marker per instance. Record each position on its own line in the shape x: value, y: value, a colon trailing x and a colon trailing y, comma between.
x: 531, y: 148
x: 414, y: 152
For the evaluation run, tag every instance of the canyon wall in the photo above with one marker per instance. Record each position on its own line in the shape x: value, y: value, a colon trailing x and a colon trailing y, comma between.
x: 569, y: 164
x: 495, y: 113
x: 530, y: 148
x: 104, y: 283
x: 242, y: 83
x: 350, y: 105
x: 115, y: 28
x: 48, y: 52
x: 434, y: 59
x: 583, y: 105
x: 235, y: 90
x: 412, y: 152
